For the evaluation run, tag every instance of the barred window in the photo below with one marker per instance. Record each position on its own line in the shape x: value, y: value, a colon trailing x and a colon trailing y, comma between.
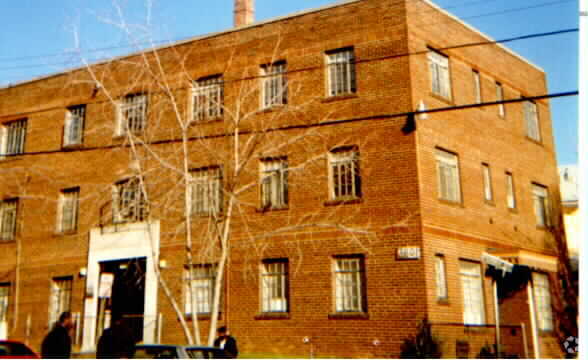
x: 4, y: 297
x: 440, y: 278
x: 543, y: 301
x: 274, y: 84
x: 345, y: 179
x: 129, y: 203
x: 74, y: 125
x: 448, y: 176
x: 206, y: 191
x: 477, y: 86
x: 8, y: 216
x: 511, y: 200
x: 440, y: 79
x: 488, y: 194
x: 202, y: 287
x: 349, y: 293
x: 473, y: 295
x: 274, y: 183
x: 208, y: 98
x: 13, y: 137
x: 341, y: 72
x: 532, y: 120
x: 500, y: 97
x: 541, y: 205
x: 68, y: 213
x: 60, y: 301
x: 274, y: 291
x: 132, y: 114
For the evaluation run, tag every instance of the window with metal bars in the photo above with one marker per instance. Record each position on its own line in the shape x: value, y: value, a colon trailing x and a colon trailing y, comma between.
x: 349, y: 292
x: 74, y: 125
x: 202, y: 287
x: 274, y: 84
x: 207, y: 98
x: 341, y: 76
x: 440, y: 76
x: 532, y: 120
x: 274, y: 290
x: 206, y: 191
x: 473, y: 295
x: 61, y: 290
x: 344, y: 174
x: 448, y: 176
x: 13, y: 139
x: 541, y: 205
x: 8, y: 216
x: 543, y: 301
x: 129, y: 203
x: 274, y: 183
x: 133, y: 114
x: 68, y: 213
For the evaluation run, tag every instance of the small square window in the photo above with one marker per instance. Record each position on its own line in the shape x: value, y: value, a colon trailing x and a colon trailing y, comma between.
x: 13, y: 137
x: 207, y: 98
x: 132, y: 114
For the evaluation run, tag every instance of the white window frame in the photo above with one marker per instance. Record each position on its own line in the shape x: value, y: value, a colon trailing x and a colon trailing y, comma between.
x: 274, y: 85
x: 542, y: 295
x: 132, y: 107
x: 348, y: 278
x: 206, y: 191
x: 274, y: 183
x: 440, y: 74
x: 274, y: 286
x: 344, y: 174
x: 203, y: 283
x: 207, y: 98
x: 341, y: 72
x: 541, y: 205
x: 60, y: 298
x: 8, y: 219
x: 500, y: 97
x: 532, y: 120
x: 477, y: 86
x: 13, y: 137
x: 487, y: 176
x: 474, y: 308
x: 128, y: 202
x: 74, y: 125
x: 440, y: 278
x: 448, y: 176
x: 68, y: 210
x: 511, y: 198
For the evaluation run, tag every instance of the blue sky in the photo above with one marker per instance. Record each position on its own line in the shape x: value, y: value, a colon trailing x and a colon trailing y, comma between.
x: 40, y: 38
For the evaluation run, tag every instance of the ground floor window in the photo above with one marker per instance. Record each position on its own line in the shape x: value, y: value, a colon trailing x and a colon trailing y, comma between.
x: 473, y: 294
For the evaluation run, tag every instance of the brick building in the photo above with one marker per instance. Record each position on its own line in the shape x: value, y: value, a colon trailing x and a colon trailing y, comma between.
x: 348, y: 227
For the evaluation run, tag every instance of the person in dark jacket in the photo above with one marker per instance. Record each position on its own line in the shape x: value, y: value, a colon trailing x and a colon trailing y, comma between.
x: 226, y: 342
x: 57, y: 343
x: 116, y: 342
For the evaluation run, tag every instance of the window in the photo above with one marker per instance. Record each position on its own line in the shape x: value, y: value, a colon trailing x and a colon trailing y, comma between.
x: 203, y: 279
x: 68, y: 210
x: 13, y: 137
x: 440, y: 79
x: 541, y: 205
x: 500, y: 97
x: 207, y: 98
x: 274, y: 183
x: 274, y: 290
x: 4, y: 297
x: 8, y: 213
x: 488, y: 194
x: 129, y: 203
x: 132, y: 114
x: 344, y: 174
x: 477, y: 86
x: 349, y: 292
x: 440, y: 278
x: 448, y: 176
x: 532, y: 120
x: 60, y: 300
x: 206, y: 191
x: 341, y: 72
x: 74, y: 125
x: 511, y: 201
x: 274, y: 85
x: 473, y: 296
x: 543, y: 301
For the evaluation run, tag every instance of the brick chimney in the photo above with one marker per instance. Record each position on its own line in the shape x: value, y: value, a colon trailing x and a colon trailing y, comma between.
x: 244, y: 12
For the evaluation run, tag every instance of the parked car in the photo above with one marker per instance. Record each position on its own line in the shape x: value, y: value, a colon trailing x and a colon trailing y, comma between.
x: 10, y: 349
x: 144, y: 351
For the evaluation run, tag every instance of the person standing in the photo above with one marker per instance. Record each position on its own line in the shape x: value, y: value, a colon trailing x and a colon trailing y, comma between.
x: 226, y: 342
x: 57, y: 343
